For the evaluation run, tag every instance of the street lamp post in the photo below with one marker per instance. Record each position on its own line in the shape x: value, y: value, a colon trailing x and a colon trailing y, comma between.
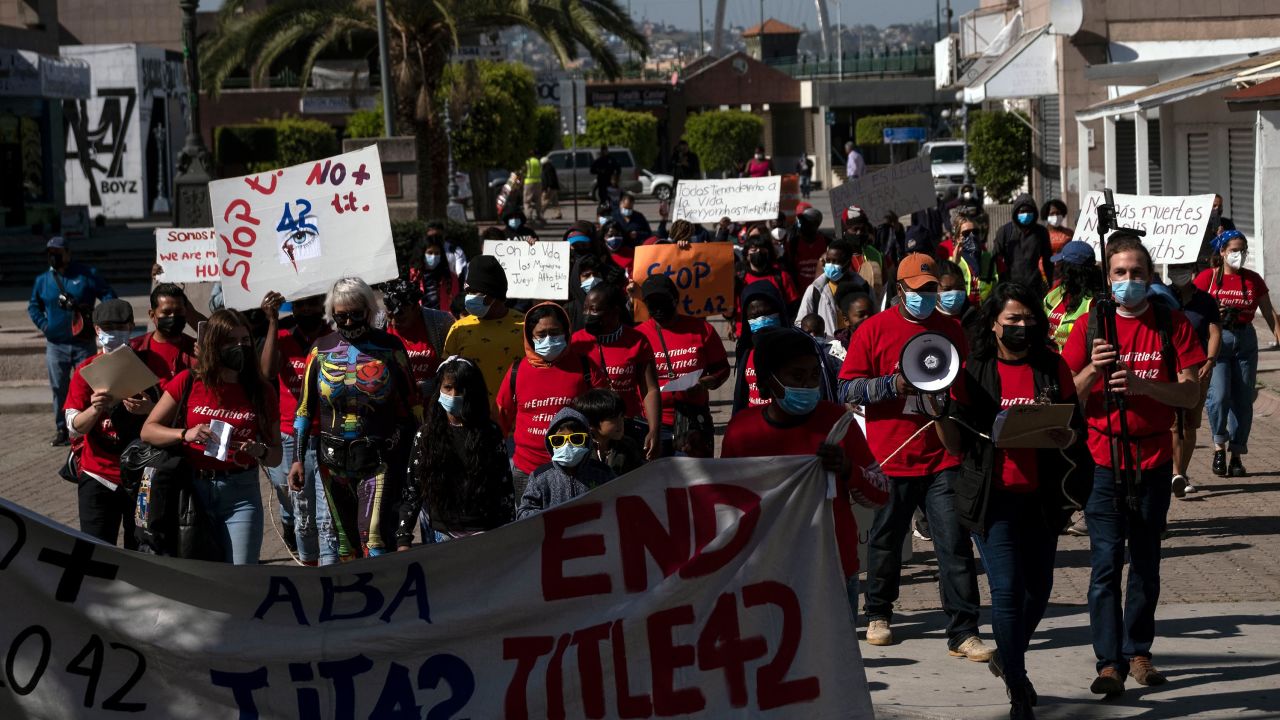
x: 191, y: 186
x: 454, y: 210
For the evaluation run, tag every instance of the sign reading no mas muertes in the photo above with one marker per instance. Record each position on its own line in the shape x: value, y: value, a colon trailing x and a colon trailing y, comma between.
x: 1175, y: 225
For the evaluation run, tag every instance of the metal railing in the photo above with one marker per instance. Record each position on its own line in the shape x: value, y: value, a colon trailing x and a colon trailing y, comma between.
x: 893, y: 62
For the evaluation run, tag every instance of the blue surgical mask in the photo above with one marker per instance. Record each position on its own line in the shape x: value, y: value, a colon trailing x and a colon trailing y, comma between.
x: 1129, y: 293
x: 111, y: 339
x: 833, y: 271
x: 951, y: 300
x: 549, y: 348
x: 452, y: 404
x: 590, y: 283
x: 432, y: 260
x: 603, y: 220
x: 920, y: 304
x: 798, y: 401
x: 476, y: 305
x: 1025, y: 218
x: 764, y: 321
x: 614, y: 243
x: 626, y: 212
x: 513, y: 223
x: 569, y: 455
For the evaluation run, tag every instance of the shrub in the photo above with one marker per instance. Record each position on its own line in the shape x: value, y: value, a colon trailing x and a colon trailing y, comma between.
x: 620, y: 128
x: 1000, y: 152
x: 546, y: 121
x: 299, y: 141
x: 721, y: 138
x: 365, y: 123
x: 241, y: 145
x: 870, y: 129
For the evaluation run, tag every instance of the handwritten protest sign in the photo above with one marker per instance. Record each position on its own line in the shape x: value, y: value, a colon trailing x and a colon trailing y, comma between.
x: 536, y: 272
x: 1175, y: 225
x: 899, y: 189
x: 299, y: 229
x: 187, y: 254
x: 789, y: 196
x: 739, y: 199
x: 676, y: 590
x: 703, y: 275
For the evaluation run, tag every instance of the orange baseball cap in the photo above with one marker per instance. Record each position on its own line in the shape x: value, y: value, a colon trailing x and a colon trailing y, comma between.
x: 917, y: 270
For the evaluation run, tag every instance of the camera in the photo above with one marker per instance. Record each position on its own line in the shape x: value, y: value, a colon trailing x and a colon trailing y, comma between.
x: 65, y: 302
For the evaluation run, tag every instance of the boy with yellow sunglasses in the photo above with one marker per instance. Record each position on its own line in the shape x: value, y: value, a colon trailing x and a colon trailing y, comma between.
x: 573, y: 469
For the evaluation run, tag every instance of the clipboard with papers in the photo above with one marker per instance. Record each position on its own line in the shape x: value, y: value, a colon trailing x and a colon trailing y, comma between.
x: 1041, y: 425
x: 120, y: 372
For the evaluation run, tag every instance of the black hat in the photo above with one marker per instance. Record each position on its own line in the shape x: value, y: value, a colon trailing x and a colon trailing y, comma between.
x: 659, y: 285
x: 113, y: 312
x: 485, y: 275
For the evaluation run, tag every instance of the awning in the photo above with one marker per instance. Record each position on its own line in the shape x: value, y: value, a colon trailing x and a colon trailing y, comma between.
x: 1029, y: 68
x: 29, y: 74
x: 1263, y: 96
x: 1253, y: 68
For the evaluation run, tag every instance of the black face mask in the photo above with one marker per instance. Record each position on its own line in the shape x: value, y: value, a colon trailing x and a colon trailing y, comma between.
x: 235, y: 358
x: 758, y: 259
x: 1014, y: 337
x: 353, y: 329
x: 661, y: 307
x: 171, y: 326
x: 308, y: 323
x: 594, y: 324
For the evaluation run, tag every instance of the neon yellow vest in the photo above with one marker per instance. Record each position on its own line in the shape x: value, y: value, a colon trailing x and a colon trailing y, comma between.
x: 533, y: 171
x: 1068, y: 321
x: 987, y: 276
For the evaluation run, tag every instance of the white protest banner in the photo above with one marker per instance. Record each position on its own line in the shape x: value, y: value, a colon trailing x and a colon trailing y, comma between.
x: 534, y: 272
x: 1175, y: 225
x: 739, y: 199
x: 187, y: 254
x: 899, y: 189
x: 688, y: 588
x: 299, y: 229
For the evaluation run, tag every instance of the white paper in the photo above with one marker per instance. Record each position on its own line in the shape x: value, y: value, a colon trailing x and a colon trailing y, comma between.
x: 187, y: 254
x: 739, y: 199
x: 219, y: 442
x: 534, y: 272
x: 1175, y: 225
x: 687, y: 381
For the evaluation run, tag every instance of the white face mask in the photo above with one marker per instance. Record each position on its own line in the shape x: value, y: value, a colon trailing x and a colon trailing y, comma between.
x: 1235, y: 259
x: 1055, y: 220
x: 1181, y: 278
x: 968, y: 196
x: 778, y: 233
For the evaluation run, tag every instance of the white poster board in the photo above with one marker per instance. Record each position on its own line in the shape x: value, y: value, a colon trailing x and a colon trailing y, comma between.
x: 1175, y: 225
x: 299, y: 229
x: 187, y: 254
x: 739, y: 199
x: 899, y: 189
x: 534, y: 272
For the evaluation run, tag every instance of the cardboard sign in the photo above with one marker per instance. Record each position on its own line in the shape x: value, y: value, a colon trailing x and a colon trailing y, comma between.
x: 899, y: 189
x: 739, y: 199
x: 300, y: 229
x: 187, y: 255
x: 535, y: 272
x: 1175, y: 225
x: 703, y: 275
x: 120, y: 372
x: 676, y: 587
x: 789, y: 196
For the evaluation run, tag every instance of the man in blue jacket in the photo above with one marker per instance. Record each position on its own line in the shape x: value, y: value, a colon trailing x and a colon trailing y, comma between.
x: 61, y: 306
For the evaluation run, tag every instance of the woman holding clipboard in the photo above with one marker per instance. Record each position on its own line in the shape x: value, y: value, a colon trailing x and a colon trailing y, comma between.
x: 1012, y: 499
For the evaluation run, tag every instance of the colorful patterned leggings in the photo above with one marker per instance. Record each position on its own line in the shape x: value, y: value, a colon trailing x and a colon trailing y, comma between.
x: 360, y: 513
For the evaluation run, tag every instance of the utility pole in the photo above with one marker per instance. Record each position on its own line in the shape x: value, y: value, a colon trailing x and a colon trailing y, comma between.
x: 702, y: 32
x: 384, y: 68
x: 762, y: 19
x: 840, y: 37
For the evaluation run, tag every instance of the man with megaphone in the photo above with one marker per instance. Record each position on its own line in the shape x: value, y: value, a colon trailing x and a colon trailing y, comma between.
x: 920, y: 469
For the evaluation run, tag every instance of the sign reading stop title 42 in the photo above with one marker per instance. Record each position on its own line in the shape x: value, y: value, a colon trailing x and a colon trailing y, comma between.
x: 299, y: 229
x: 703, y: 275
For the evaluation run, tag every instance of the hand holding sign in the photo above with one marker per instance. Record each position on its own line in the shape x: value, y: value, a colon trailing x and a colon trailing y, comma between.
x: 703, y: 275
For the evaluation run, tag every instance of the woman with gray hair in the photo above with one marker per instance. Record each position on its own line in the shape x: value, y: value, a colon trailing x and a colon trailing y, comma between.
x: 358, y: 391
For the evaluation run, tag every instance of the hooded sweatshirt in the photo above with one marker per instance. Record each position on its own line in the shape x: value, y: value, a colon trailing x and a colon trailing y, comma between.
x: 1023, y: 254
x: 551, y: 485
x: 744, y: 391
x: 534, y: 390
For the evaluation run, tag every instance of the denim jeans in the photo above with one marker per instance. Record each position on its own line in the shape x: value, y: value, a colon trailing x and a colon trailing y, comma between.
x: 957, y: 573
x: 1230, y: 400
x: 1121, y: 634
x: 307, y: 532
x: 1018, y: 552
x: 60, y: 359
x: 234, y: 503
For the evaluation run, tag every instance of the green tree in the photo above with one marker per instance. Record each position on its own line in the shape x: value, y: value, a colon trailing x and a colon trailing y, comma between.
x: 422, y: 37
x: 1000, y: 152
x: 620, y: 128
x: 493, y: 107
x: 546, y: 134
x: 721, y: 138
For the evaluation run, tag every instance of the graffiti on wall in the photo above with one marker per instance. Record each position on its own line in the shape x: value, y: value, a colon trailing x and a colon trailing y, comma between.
x: 98, y: 145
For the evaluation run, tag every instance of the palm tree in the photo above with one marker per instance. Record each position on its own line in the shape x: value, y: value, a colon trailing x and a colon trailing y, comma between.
x: 422, y: 35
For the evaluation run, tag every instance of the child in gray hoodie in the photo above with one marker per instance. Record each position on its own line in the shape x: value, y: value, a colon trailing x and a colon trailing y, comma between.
x: 572, y: 470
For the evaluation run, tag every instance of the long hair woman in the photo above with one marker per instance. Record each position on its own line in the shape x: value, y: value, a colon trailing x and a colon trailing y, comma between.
x: 1013, y: 500
x: 1077, y: 279
x: 226, y: 386
x: 458, y: 471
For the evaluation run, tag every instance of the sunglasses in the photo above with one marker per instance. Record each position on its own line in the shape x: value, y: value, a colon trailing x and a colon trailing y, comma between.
x: 577, y: 439
x: 342, y: 317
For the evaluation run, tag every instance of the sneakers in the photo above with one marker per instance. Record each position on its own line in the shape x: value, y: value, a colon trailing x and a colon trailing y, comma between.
x: 1109, y: 683
x: 290, y: 537
x: 972, y: 649
x: 1220, y: 463
x: 1144, y: 673
x: 878, y: 633
x: 60, y: 439
x: 1235, y: 468
x: 1180, y: 486
x: 920, y: 527
x: 1191, y: 489
x: 1078, y: 528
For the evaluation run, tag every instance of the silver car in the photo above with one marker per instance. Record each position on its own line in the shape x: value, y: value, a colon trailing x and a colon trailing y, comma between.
x: 568, y: 167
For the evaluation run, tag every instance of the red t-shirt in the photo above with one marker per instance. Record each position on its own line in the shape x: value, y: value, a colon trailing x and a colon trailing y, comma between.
x: 165, y: 359
x: 874, y: 351
x: 100, y: 447
x: 1140, y: 349
x: 1241, y: 290
x: 751, y: 434
x: 753, y: 389
x: 624, y: 359
x: 292, y: 369
x: 540, y: 393
x: 685, y: 345
x: 424, y: 358
x: 227, y: 403
x: 808, y: 258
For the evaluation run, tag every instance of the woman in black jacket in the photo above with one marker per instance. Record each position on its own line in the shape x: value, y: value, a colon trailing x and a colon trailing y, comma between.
x: 1014, y: 500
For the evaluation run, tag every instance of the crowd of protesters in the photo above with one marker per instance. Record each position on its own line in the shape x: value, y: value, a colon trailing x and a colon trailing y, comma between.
x: 436, y: 406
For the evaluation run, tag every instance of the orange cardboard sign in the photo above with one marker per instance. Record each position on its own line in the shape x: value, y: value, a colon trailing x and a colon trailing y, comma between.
x: 703, y: 275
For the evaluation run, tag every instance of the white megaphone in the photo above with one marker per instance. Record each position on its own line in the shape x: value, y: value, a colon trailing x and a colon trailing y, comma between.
x: 930, y: 362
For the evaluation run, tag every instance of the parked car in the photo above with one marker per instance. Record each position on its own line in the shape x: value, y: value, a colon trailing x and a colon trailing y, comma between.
x: 656, y: 184
x: 946, y: 163
x: 567, y: 170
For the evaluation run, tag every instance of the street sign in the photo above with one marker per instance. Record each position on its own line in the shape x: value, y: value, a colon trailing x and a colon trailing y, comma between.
x: 894, y: 136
